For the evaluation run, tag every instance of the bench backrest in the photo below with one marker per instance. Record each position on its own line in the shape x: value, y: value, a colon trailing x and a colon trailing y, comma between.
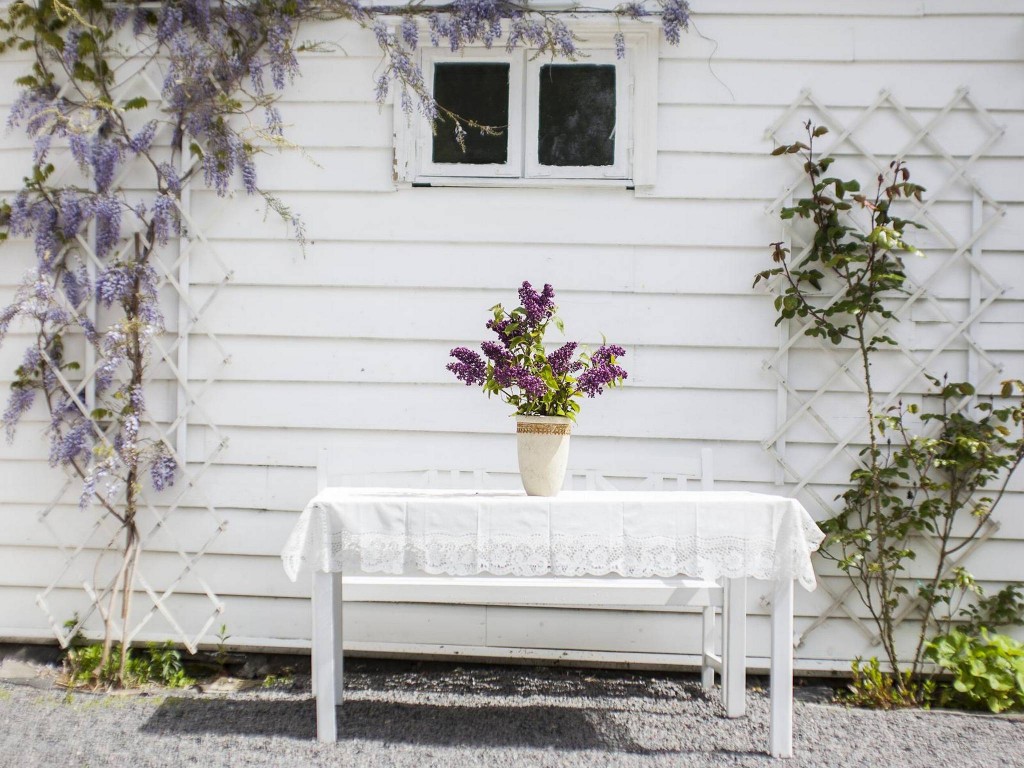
x: 350, y: 466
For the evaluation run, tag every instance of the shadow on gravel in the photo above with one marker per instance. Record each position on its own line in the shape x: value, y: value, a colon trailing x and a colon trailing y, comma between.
x: 182, y: 716
x: 488, y: 680
x: 558, y: 728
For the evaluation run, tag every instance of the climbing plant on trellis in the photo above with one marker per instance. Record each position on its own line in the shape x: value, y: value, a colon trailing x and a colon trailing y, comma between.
x: 83, y: 556
x: 803, y: 414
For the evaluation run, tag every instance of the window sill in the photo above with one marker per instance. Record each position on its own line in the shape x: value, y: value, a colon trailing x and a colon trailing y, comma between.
x: 516, y: 183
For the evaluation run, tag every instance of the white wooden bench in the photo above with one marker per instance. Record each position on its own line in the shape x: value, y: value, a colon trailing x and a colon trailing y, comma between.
x: 670, y: 595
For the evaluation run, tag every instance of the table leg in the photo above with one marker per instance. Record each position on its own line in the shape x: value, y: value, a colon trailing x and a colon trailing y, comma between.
x: 707, y: 672
x: 337, y: 600
x: 323, y: 655
x: 734, y: 654
x: 781, y: 728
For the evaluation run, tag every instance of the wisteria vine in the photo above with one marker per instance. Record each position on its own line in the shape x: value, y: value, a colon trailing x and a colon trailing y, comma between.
x: 98, y: 272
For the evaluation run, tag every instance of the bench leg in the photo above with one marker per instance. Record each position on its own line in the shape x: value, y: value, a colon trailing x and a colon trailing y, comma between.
x: 781, y: 728
x: 734, y: 652
x: 707, y: 672
x: 324, y: 647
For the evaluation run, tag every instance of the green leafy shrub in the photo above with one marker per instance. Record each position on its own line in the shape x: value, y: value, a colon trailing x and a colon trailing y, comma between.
x: 943, y: 484
x: 988, y: 671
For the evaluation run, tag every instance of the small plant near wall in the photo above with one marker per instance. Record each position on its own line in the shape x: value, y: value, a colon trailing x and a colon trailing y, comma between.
x: 944, y: 483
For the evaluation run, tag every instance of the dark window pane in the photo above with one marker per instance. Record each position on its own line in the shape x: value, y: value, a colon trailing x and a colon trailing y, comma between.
x: 477, y: 92
x: 577, y: 114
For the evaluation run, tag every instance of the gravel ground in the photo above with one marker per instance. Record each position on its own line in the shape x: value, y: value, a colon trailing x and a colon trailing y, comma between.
x: 422, y: 714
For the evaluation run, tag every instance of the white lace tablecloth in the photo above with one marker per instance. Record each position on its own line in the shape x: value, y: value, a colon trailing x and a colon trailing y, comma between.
x: 703, y: 535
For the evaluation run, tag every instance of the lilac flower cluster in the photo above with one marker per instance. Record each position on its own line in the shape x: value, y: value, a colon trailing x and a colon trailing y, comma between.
x: 561, y: 361
x: 517, y: 369
x: 497, y: 353
x: 538, y: 306
x: 603, y: 372
x: 469, y: 368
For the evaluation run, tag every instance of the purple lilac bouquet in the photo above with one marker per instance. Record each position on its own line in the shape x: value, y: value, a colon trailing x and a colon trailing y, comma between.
x: 518, y: 369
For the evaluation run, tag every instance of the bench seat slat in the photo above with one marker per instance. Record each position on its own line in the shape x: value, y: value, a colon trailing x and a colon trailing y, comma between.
x: 666, y: 594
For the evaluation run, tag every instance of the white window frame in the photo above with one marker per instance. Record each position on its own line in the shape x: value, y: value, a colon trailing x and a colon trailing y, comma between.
x: 636, y: 118
x: 619, y: 169
x: 512, y: 167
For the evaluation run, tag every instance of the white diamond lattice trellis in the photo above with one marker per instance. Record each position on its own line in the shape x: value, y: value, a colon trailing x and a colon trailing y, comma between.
x: 947, y: 294
x: 169, y: 564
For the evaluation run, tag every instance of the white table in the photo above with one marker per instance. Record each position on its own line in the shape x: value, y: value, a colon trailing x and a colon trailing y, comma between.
x: 705, y: 535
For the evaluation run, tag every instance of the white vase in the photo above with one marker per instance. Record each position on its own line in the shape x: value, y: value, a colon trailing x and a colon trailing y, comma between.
x: 543, y: 444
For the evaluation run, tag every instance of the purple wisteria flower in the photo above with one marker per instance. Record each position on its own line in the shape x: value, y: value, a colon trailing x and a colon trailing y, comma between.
x: 114, y: 284
x: 104, y: 157
x: 75, y: 283
x: 165, y: 218
x: 675, y: 16
x: 108, y: 213
x: 470, y: 368
x: 142, y: 140
x: 410, y: 32
x: 20, y: 401
x: 72, y: 213
x: 620, y: 45
x: 72, y: 445
x: 162, y: 470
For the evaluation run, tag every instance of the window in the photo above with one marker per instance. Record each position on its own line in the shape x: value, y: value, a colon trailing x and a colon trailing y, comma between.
x: 549, y: 121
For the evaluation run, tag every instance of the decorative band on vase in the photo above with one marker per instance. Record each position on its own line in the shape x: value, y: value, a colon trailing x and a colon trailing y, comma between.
x: 542, y: 429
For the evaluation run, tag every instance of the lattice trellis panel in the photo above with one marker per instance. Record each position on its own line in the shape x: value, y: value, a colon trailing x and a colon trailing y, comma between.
x: 168, y: 369
x: 807, y: 410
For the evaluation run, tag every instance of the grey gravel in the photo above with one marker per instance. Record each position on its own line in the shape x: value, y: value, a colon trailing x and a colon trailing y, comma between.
x: 431, y: 714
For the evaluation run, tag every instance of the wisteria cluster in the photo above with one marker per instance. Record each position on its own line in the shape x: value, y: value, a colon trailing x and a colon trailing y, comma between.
x: 519, y: 370
x: 210, y: 55
x: 510, y: 23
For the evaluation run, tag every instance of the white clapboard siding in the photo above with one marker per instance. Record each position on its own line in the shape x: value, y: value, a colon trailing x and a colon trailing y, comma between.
x: 346, y: 343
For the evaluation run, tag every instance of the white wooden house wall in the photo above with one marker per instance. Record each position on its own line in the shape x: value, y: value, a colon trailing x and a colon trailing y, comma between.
x: 349, y: 342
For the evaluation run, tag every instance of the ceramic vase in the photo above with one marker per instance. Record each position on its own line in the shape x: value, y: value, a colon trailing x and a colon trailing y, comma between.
x: 543, y: 445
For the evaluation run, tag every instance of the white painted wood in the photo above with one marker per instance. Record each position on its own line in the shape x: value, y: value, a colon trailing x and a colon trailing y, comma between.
x: 324, y: 657
x: 780, y: 732
x: 604, y: 593
x: 346, y: 344
x: 709, y: 662
x: 734, y: 654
